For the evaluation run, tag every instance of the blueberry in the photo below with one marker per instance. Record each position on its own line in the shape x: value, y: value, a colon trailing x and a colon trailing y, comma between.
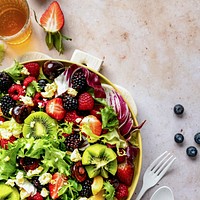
x: 191, y: 151
x: 178, y: 109
x: 197, y: 138
x: 178, y: 138
x: 42, y: 83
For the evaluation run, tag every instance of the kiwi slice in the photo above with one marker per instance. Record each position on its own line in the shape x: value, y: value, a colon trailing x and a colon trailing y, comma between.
x: 99, y: 159
x: 39, y: 124
x: 9, y: 193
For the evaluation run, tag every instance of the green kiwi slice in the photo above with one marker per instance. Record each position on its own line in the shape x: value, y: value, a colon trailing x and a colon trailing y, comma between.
x: 39, y: 124
x: 99, y: 159
x: 8, y: 192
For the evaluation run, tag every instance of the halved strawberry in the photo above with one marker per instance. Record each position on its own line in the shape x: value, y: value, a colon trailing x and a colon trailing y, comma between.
x: 52, y: 21
x: 94, y: 124
x: 125, y: 173
x: 56, y: 184
x: 54, y: 109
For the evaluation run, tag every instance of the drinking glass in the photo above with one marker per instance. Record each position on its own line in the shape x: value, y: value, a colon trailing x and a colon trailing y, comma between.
x: 15, y: 22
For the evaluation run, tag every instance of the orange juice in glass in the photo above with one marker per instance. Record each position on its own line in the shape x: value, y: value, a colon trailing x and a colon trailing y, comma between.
x: 15, y: 22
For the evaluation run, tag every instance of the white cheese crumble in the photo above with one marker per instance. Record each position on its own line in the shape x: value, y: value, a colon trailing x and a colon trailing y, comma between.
x: 25, y: 71
x: 72, y: 92
x: 44, y: 192
x: 45, y: 178
x: 75, y: 156
x: 27, y: 100
x: 10, y: 182
x: 23, y: 194
x: 35, y: 171
x: 50, y: 90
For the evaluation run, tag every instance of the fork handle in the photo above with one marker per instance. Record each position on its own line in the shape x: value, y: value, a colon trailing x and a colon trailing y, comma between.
x: 141, y: 193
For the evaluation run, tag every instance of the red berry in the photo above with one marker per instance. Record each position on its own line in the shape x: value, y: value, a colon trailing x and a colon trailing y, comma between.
x: 4, y: 142
x: 38, y: 98
x: 71, y: 116
x: 37, y: 196
x: 85, y: 101
x: 2, y: 119
x: 28, y: 80
x: 121, y: 192
x: 33, y: 68
x: 53, y: 19
x: 54, y: 108
x: 125, y: 173
x: 15, y: 91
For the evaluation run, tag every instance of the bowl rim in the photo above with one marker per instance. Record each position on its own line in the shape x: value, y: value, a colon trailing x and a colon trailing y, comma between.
x: 137, y: 169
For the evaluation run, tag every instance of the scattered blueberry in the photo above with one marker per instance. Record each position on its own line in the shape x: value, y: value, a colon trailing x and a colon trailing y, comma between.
x: 191, y: 151
x: 179, y: 138
x: 197, y: 138
x: 178, y: 109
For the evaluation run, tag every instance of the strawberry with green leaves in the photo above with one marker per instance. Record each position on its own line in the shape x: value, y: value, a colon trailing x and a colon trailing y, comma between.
x: 52, y: 22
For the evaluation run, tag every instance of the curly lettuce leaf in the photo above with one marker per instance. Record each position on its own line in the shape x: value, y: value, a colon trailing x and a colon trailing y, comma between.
x: 70, y: 190
x: 109, y: 118
x: 109, y: 193
x: 8, y: 161
x: 15, y: 72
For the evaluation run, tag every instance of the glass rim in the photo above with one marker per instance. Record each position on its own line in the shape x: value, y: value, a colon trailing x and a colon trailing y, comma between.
x: 27, y: 23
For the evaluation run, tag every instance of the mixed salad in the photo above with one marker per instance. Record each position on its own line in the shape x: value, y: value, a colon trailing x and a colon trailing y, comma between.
x: 63, y: 134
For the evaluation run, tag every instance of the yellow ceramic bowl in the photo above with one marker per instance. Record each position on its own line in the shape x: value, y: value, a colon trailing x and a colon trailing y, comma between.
x: 138, y: 160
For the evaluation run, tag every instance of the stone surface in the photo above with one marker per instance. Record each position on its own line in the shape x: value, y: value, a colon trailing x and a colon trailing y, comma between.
x: 152, y: 48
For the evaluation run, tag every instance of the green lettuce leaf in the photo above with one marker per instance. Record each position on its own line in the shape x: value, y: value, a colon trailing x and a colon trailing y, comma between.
x: 15, y: 72
x: 109, y: 118
x: 109, y: 193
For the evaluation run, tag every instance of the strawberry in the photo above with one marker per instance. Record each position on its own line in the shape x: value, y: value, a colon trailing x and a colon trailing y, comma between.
x: 94, y: 124
x: 54, y: 109
x: 56, y: 184
x: 4, y: 142
x: 85, y: 101
x: 15, y: 91
x: 52, y: 21
x: 28, y: 80
x: 37, y: 196
x: 125, y: 173
x: 71, y: 116
x: 33, y: 69
x: 121, y: 192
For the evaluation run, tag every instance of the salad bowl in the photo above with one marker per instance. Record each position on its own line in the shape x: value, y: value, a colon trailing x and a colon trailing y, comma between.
x: 58, y: 74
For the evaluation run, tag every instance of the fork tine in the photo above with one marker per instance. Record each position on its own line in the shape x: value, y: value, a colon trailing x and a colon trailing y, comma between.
x: 165, y: 168
x: 152, y: 165
x: 162, y: 162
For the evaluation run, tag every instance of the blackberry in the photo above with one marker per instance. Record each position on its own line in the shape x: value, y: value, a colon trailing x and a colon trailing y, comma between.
x: 73, y: 141
x: 86, y: 189
x: 78, y: 81
x: 5, y: 82
x: 70, y: 103
x: 7, y: 103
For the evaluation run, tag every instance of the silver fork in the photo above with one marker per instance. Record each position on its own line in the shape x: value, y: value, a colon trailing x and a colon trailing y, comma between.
x: 156, y: 171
